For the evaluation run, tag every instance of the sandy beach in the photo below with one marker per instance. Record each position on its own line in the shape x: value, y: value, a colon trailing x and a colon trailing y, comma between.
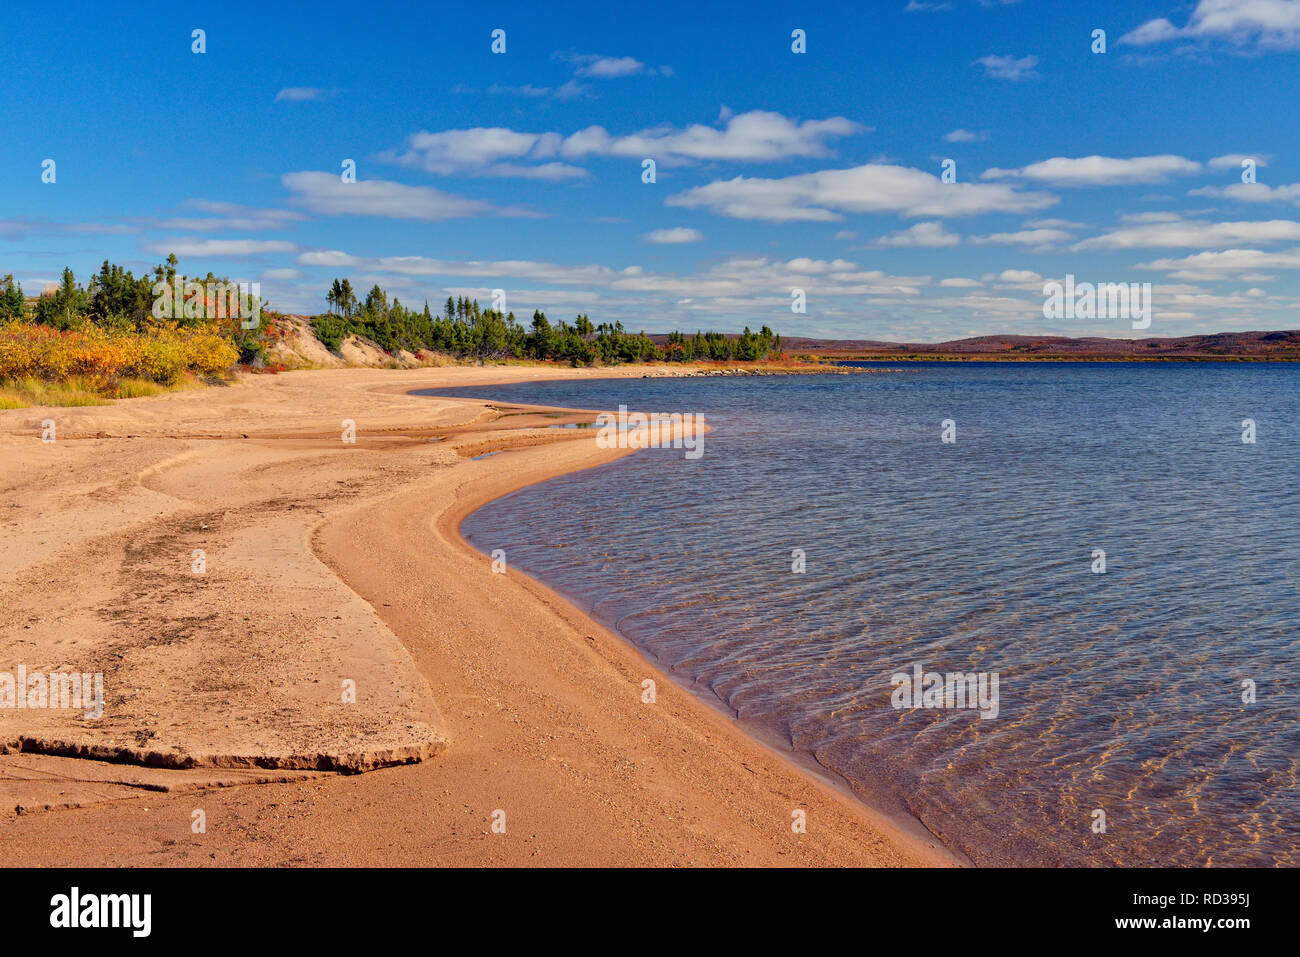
x: 301, y: 653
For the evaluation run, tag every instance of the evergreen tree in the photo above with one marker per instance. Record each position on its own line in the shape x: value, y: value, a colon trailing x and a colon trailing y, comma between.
x: 11, y: 298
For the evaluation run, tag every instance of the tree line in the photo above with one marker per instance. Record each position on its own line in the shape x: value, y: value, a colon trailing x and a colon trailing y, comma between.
x: 116, y: 300
x: 119, y: 301
x: 466, y: 330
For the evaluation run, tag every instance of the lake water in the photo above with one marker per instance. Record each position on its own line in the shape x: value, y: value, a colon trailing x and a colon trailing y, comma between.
x: 1118, y: 692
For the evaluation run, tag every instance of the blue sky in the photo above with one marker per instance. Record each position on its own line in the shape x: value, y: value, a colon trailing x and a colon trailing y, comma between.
x: 775, y: 170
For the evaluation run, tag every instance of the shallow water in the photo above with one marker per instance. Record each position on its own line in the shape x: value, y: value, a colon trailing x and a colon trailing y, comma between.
x: 1120, y: 692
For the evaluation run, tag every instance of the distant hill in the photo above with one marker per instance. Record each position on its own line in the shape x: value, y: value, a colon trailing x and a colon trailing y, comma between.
x: 1258, y: 346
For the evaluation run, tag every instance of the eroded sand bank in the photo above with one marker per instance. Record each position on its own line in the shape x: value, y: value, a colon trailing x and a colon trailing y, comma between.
x: 325, y: 562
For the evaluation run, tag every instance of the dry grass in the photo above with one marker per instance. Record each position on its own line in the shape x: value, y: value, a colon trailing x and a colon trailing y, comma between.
x: 137, y: 388
x: 24, y: 393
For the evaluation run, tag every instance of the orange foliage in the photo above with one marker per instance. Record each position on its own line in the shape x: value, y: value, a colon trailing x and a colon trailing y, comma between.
x: 163, y: 355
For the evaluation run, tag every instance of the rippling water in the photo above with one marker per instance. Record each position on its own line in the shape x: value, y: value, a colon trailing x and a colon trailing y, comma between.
x: 1119, y: 691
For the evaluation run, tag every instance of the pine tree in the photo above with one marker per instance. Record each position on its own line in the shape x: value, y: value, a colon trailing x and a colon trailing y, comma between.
x: 11, y: 298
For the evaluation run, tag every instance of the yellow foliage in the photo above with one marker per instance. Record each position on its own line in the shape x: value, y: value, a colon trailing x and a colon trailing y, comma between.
x: 105, y: 357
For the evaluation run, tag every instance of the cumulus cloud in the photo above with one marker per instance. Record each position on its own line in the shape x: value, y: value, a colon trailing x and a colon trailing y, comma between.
x: 753, y: 136
x: 1216, y: 264
x: 328, y: 257
x: 1153, y: 31
x: 597, y: 66
x: 928, y: 235
x: 498, y: 151
x: 1266, y: 24
x: 1100, y: 170
x: 1025, y: 279
x: 607, y: 67
x: 848, y: 298
x: 965, y: 136
x: 874, y: 188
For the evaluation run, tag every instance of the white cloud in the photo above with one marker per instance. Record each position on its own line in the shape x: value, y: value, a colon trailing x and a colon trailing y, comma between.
x: 928, y: 235
x: 1216, y: 264
x: 565, y: 91
x: 1053, y: 224
x: 499, y: 151
x: 1100, y: 170
x: 678, y: 234
x: 1150, y: 217
x: 327, y: 194
x: 758, y: 135
x: 845, y: 300
x: 299, y: 94
x: 221, y: 247
x: 1267, y: 24
x: 1009, y: 67
x: 481, y: 151
x: 328, y: 257
x: 873, y: 188
x: 21, y: 227
x: 736, y: 277
x: 1190, y: 233
x: 607, y: 67
x: 1153, y: 31
x: 965, y: 136
x: 589, y: 66
x: 1024, y: 237
x: 230, y: 216
x: 1016, y: 278
x: 1234, y: 160
x: 1251, y: 193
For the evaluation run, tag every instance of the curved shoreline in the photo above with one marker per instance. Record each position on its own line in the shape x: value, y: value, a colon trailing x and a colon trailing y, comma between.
x: 800, y: 761
x: 329, y: 561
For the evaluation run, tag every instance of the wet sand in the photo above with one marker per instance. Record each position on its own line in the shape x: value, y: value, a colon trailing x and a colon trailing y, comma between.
x: 478, y: 696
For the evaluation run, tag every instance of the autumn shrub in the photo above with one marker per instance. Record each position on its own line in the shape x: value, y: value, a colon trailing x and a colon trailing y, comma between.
x: 105, y: 357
